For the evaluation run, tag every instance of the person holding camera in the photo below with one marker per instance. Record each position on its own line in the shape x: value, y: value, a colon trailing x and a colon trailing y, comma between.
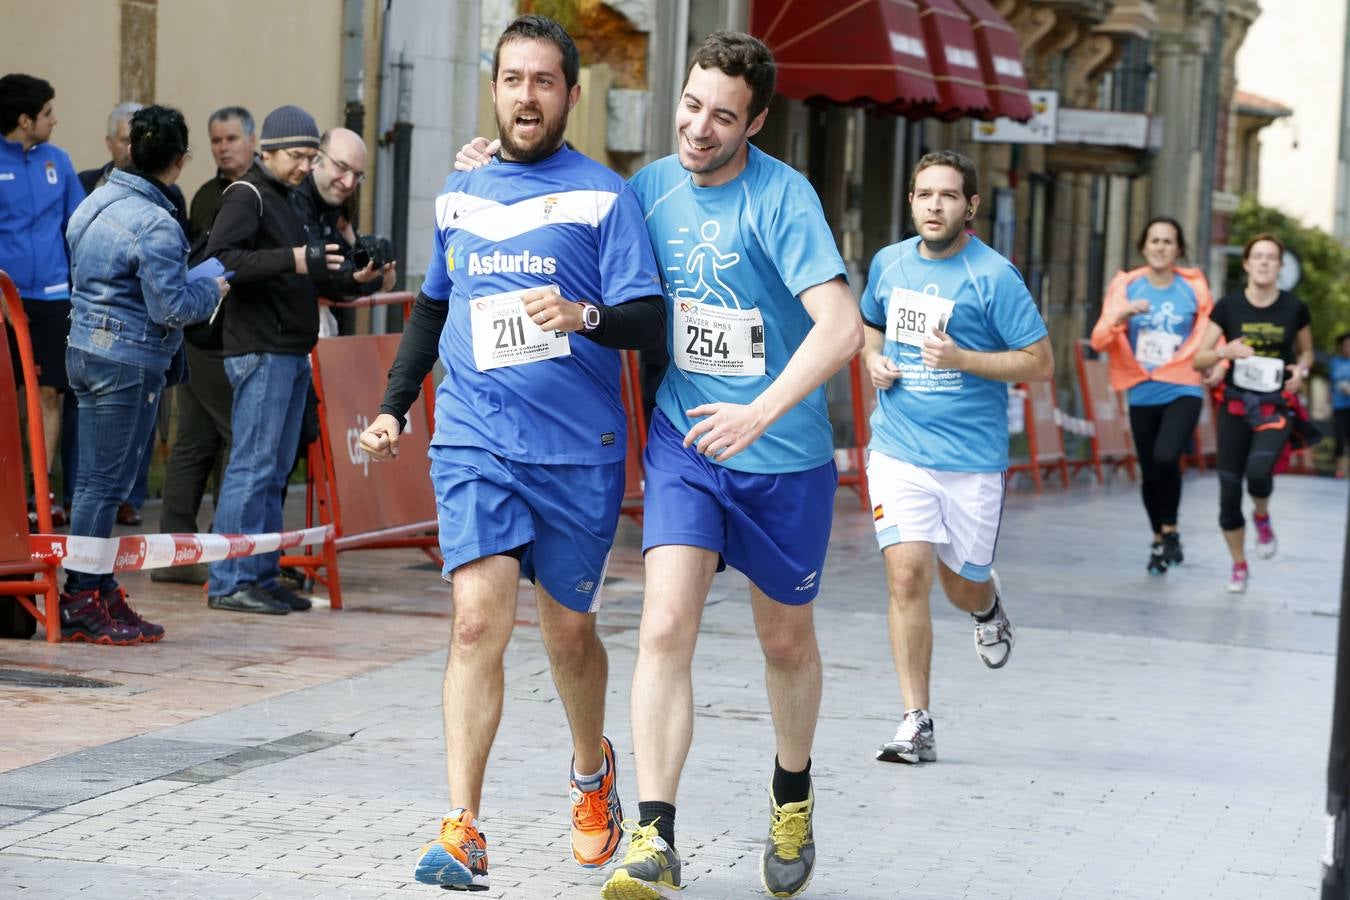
x: 132, y: 296
x: 271, y: 324
x: 320, y: 199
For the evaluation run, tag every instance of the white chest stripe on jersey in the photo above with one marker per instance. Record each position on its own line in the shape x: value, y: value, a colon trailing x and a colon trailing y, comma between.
x: 494, y: 221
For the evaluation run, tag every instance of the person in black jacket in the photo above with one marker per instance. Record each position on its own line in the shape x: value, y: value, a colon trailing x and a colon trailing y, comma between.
x: 271, y: 324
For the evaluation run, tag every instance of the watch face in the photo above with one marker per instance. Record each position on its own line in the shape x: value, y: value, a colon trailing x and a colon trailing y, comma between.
x: 591, y: 316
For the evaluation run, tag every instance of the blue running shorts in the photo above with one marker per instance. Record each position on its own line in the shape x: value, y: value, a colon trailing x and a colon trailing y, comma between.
x: 563, y: 515
x: 773, y: 528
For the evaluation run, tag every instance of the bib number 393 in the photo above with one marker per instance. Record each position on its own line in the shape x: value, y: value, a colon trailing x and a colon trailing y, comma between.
x: 504, y: 336
x: 912, y: 315
x: 714, y: 340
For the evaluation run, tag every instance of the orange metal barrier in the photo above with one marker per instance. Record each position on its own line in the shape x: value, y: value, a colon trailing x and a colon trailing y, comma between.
x: 862, y: 398
x: 1110, y: 440
x: 1045, y: 441
x: 15, y: 559
x: 391, y: 506
x: 634, y: 478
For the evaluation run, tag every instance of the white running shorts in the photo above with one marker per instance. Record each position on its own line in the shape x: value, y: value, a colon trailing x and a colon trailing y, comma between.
x: 957, y: 512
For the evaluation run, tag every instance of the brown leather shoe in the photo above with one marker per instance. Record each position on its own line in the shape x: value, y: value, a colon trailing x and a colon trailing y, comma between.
x: 128, y: 515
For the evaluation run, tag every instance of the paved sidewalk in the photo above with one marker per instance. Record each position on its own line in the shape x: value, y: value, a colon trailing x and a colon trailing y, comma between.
x: 1152, y: 736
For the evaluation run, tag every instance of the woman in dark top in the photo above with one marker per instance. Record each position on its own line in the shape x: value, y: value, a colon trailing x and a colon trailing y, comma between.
x: 1268, y: 348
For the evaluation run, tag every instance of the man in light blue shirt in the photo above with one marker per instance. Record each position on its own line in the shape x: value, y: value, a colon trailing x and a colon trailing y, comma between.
x: 951, y: 324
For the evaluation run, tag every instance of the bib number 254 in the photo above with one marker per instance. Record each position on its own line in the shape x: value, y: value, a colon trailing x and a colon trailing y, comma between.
x: 706, y: 342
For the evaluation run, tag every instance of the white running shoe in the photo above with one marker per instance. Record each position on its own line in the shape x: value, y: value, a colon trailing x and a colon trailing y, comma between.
x: 994, y: 636
x: 1237, y: 582
x: 913, y: 741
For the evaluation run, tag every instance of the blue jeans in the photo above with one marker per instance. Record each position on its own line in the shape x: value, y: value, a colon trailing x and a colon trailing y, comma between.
x: 269, y: 399
x: 117, y: 403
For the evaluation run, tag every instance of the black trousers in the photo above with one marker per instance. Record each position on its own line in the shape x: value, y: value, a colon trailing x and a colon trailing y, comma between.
x: 1246, y: 453
x: 202, y: 441
x: 1342, y: 419
x: 1160, y: 434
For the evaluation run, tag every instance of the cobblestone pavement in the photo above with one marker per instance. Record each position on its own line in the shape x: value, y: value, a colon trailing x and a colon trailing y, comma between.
x: 1151, y: 737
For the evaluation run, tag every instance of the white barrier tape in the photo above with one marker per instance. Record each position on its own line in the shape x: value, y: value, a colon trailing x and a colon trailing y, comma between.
x: 1073, y: 424
x: 103, y: 556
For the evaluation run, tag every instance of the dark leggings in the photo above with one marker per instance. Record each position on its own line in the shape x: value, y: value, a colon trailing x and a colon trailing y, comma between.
x: 1250, y: 454
x: 1160, y: 432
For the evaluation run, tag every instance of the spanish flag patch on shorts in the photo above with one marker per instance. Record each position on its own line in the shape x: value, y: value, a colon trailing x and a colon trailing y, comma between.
x: 878, y: 513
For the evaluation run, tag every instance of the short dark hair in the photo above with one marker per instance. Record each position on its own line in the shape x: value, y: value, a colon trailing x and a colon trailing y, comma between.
x: 225, y: 113
x: 541, y: 28
x: 21, y: 95
x: 740, y: 55
x: 1263, y: 236
x: 970, y: 180
x: 1162, y: 220
x: 1342, y: 338
x: 159, y: 135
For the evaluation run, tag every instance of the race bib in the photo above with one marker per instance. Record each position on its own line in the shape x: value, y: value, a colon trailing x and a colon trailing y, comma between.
x: 912, y: 315
x: 1153, y: 347
x: 504, y: 336
x: 1259, y: 373
x: 715, y: 340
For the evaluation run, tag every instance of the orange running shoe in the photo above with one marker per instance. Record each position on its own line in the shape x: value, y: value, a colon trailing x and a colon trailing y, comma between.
x: 457, y: 859
x: 596, y: 816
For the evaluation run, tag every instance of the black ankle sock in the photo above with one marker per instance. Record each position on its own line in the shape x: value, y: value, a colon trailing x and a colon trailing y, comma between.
x: 660, y: 814
x: 790, y: 787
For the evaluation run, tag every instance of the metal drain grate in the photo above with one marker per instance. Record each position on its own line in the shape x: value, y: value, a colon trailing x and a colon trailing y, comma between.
x: 30, y: 679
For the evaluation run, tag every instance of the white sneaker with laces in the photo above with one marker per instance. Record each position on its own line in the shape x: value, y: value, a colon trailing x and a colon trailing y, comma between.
x: 994, y: 636
x: 913, y: 741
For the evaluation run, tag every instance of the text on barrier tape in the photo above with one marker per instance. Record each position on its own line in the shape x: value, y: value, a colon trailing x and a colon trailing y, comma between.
x: 103, y: 556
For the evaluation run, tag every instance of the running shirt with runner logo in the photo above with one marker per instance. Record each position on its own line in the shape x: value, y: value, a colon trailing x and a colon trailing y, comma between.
x: 1156, y: 335
x: 510, y: 388
x: 735, y: 259
x: 946, y: 419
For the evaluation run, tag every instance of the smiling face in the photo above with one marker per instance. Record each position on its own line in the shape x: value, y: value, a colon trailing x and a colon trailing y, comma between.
x: 532, y: 99
x: 1162, y: 248
x: 713, y: 125
x: 1262, y: 264
x: 940, y: 207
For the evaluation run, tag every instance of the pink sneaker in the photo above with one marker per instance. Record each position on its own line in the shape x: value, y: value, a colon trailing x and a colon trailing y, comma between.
x: 1237, y: 582
x: 1266, y: 545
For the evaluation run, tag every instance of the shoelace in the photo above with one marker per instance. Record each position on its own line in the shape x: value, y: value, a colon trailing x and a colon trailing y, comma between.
x: 909, y: 729
x: 456, y: 832
x: 590, y: 810
x: 120, y: 610
x: 990, y: 631
x: 642, y: 841
x: 787, y: 832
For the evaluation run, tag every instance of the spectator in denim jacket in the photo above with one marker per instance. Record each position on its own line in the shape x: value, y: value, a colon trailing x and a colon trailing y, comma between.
x: 130, y: 301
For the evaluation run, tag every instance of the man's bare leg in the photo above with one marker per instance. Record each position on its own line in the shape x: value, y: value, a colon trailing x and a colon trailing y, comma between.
x: 792, y: 674
x: 49, y: 398
x: 909, y: 579
x: 581, y: 674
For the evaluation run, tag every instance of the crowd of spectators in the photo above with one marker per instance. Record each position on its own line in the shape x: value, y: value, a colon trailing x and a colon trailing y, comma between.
x: 127, y: 289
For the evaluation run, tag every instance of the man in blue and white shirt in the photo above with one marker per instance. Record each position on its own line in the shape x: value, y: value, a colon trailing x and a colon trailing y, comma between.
x: 39, y: 191
x: 539, y: 275
x: 951, y: 324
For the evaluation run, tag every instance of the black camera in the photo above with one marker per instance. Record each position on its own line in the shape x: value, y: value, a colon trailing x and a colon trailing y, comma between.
x: 372, y: 250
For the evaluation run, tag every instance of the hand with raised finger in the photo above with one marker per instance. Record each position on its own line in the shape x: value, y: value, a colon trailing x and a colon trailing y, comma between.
x: 380, y: 439
x: 476, y: 154
x: 940, y: 351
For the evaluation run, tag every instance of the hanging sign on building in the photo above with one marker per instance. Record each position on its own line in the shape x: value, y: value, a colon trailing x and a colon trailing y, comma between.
x: 1104, y: 128
x: 1041, y: 128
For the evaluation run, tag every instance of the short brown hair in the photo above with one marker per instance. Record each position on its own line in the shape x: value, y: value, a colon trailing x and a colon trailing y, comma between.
x: 541, y: 28
x: 739, y: 55
x: 1263, y: 236
x: 970, y: 182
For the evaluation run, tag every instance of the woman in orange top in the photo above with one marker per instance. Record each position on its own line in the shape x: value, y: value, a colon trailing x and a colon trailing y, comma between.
x: 1151, y: 323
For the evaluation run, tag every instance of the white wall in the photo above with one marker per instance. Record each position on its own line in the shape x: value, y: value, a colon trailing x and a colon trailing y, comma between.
x: 1294, y: 53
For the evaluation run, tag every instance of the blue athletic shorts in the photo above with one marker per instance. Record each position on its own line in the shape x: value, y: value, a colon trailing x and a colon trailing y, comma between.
x: 564, y: 516
x: 773, y: 528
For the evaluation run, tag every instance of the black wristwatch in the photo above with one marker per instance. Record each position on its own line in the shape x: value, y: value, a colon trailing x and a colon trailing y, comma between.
x: 590, y: 316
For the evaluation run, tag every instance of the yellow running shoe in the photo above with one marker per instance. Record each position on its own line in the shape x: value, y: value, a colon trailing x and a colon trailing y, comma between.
x: 596, y: 816
x: 650, y: 868
x: 790, y: 852
x: 457, y: 859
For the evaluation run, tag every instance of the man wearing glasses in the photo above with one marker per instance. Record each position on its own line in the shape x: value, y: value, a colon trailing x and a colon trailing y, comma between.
x: 271, y: 323
x: 323, y: 201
